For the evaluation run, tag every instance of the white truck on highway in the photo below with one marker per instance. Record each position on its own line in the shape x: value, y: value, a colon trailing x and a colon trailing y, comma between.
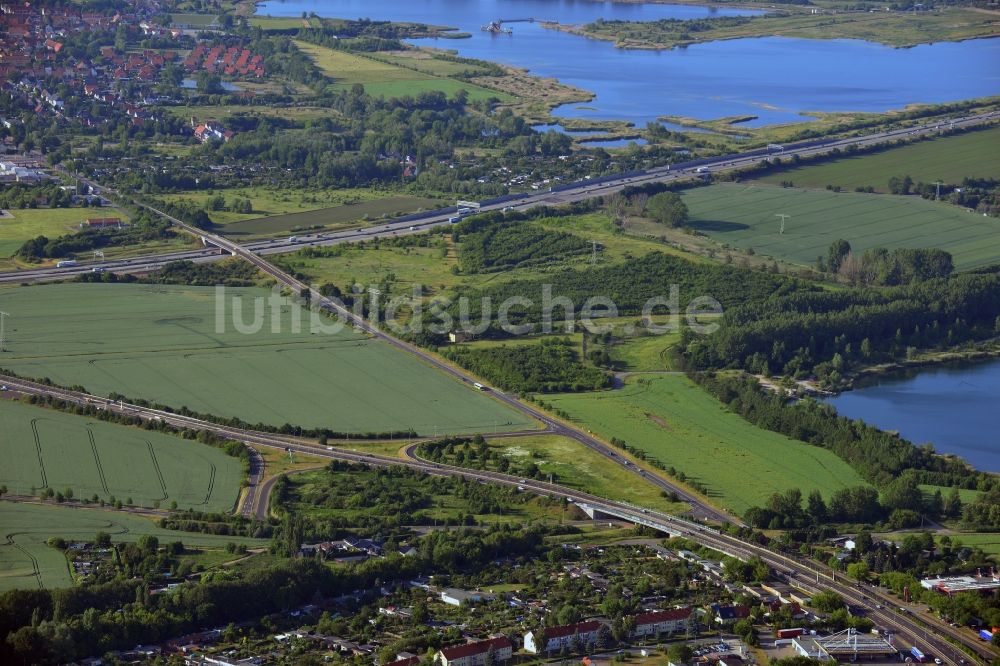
x: 68, y: 263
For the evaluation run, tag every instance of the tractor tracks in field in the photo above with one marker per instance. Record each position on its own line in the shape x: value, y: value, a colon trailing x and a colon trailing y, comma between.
x: 156, y: 468
x: 38, y: 448
x: 211, y: 485
x: 97, y: 459
x: 36, y: 572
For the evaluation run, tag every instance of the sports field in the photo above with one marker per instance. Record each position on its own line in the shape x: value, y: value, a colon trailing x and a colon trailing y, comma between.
x: 49, y: 449
x: 950, y: 159
x: 382, y: 79
x: 745, y: 217
x: 673, y: 420
x: 19, y: 225
x: 164, y: 344
x: 26, y: 561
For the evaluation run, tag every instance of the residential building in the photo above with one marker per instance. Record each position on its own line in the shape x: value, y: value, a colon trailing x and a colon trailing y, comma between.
x: 474, y: 654
x: 661, y: 623
x: 727, y: 615
x: 554, y: 639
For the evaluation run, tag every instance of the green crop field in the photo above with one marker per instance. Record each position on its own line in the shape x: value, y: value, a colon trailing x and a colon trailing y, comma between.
x: 673, y: 420
x: 337, y: 215
x: 49, y: 449
x: 744, y: 217
x: 164, y: 344
x: 19, y: 225
x: 950, y: 159
x: 26, y: 561
x: 385, y: 79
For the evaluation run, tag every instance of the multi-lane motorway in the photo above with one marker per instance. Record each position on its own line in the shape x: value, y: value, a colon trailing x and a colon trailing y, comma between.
x: 560, y: 194
x: 810, y: 575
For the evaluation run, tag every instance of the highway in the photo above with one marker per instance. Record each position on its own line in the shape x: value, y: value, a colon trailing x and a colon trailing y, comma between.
x: 559, y: 194
x: 800, y: 571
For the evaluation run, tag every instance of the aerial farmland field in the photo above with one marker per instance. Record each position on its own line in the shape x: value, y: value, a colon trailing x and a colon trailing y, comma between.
x: 745, y: 217
x: 49, y: 449
x: 26, y: 561
x: 164, y: 344
x: 672, y: 419
x: 951, y: 158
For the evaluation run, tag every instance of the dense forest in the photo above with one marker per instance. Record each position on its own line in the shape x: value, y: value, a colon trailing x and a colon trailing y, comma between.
x: 824, y: 332
x: 550, y: 366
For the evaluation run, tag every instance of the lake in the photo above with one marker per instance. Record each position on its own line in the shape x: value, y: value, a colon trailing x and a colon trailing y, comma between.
x: 954, y: 406
x: 773, y: 78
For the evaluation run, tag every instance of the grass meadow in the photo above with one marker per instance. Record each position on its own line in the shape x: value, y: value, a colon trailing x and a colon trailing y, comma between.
x: 49, y: 449
x: 281, y: 210
x: 384, y: 79
x: 574, y: 465
x: 744, y: 216
x: 337, y: 216
x: 950, y: 159
x: 673, y: 420
x: 163, y: 344
x: 28, y: 223
x: 26, y: 561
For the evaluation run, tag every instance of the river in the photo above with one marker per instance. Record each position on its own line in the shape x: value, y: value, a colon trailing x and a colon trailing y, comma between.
x: 954, y: 406
x: 774, y: 78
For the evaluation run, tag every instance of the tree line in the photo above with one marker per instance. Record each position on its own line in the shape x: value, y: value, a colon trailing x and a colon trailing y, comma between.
x: 824, y: 333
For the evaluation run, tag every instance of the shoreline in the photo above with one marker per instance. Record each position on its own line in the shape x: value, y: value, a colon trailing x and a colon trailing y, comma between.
x: 791, y: 32
x: 886, y: 369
